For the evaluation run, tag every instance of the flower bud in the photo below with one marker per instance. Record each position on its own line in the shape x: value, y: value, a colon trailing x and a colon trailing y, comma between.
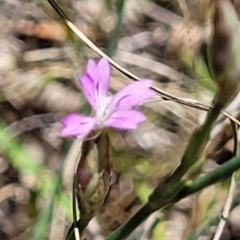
x: 93, y: 177
x: 224, y: 51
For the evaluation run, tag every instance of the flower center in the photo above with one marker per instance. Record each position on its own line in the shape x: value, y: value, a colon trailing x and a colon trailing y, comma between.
x: 102, y: 113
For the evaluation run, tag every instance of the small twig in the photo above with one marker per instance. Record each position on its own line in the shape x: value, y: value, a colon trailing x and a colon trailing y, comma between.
x: 165, y: 96
x: 201, y: 230
x: 228, y: 203
x: 74, y: 200
x: 32, y: 122
x: 89, y: 43
x: 8, y: 190
x: 226, y: 209
x: 185, y: 11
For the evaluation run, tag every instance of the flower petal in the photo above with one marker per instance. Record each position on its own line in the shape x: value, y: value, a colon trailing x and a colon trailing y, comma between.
x: 77, y: 125
x: 91, y: 68
x: 95, y: 82
x: 103, y: 77
x: 131, y: 95
x: 87, y: 83
x: 125, y: 120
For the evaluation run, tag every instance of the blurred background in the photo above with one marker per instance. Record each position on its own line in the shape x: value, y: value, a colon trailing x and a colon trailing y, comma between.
x: 162, y: 40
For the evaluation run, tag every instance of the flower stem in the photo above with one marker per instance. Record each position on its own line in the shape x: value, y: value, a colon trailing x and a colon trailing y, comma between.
x: 126, y: 228
x: 219, y: 174
x: 197, y: 143
x: 172, y: 189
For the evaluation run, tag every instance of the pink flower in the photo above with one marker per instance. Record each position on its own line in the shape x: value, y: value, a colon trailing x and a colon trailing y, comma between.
x: 108, y: 111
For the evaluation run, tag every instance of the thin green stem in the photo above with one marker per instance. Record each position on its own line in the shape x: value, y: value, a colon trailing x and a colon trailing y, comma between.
x: 169, y: 188
x: 219, y: 174
x: 126, y: 228
x: 197, y: 144
x: 112, y: 43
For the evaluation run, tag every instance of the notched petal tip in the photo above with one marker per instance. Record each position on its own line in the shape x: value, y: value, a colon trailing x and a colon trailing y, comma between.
x: 91, y: 66
x: 131, y: 95
x: 103, y: 72
x: 103, y: 62
x: 95, y: 81
x: 145, y: 85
